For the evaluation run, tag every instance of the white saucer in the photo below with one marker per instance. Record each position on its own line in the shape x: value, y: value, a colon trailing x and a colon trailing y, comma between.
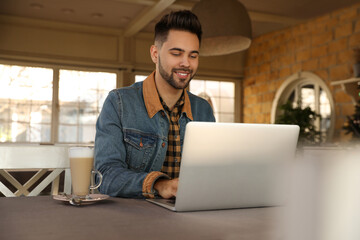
x: 91, y: 198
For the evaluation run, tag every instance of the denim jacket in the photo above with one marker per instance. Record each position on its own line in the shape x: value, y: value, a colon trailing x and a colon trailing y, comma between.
x: 132, y: 135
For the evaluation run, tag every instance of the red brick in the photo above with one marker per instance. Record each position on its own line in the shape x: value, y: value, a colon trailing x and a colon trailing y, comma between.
x: 275, y: 64
x: 251, y: 71
x: 310, y: 65
x: 323, y: 74
x: 257, y: 108
x: 286, y: 60
x: 357, y: 26
x: 266, y: 57
x: 267, y: 118
x: 248, y: 119
x: 247, y: 91
x: 301, y: 29
x: 291, y: 45
x: 318, y: 26
x: 260, y: 118
x: 345, y: 56
x: 265, y: 67
x: 268, y: 97
x: 296, y: 67
x: 319, y: 51
x: 339, y: 123
x: 248, y: 111
x: 337, y: 46
x: 302, y: 42
x: 249, y: 81
x: 274, y: 75
x: 340, y: 96
x: 340, y: 72
x: 253, y: 49
x: 322, y: 38
x: 331, y: 23
x: 266, y: 107
x: 343, y: 30
x: 263, y: 77
x: 285, y: 72
x: 328, y: 61
x: 250, y: 100
x: 323, y: 18
x: 259, y: 97
x: 263, y: 88
x: 303, y: 55
x: 348, y: 14
x: 274, y: 85
x: 354, y: 40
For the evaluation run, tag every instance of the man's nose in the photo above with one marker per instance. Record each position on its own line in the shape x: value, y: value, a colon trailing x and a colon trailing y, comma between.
x: 185, y: 62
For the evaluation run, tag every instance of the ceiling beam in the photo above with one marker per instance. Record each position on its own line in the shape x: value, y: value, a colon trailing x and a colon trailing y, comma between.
x: 156, y: 7
x: 145, y: 17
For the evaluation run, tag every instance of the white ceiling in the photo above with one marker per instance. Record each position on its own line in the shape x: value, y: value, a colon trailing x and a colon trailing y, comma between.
x: 140, y: 15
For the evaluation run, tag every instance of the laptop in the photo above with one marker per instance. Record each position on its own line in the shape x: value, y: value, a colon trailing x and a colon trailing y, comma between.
x: 233, y: 165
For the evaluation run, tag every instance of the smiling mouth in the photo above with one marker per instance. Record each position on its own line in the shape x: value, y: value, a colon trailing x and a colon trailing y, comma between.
x: 182, y: 74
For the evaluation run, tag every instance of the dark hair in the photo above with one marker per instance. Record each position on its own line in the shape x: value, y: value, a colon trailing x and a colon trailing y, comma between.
x: 180, y: 20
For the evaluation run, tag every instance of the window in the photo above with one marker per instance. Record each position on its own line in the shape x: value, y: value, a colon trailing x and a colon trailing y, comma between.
x: 25, y: 104
x: 308, y: 90
x: 81, y: 96
x: 26, y: 109
x: 220, y: 95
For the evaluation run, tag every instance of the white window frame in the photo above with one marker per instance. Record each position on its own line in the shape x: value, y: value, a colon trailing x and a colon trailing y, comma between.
x: 55, y: 100
x: 298, y: 80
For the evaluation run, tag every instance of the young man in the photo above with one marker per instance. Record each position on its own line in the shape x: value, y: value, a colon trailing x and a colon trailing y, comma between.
x: 140, y: 130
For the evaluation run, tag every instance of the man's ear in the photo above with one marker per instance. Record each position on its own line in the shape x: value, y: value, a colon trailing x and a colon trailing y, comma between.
x: 154, y: 53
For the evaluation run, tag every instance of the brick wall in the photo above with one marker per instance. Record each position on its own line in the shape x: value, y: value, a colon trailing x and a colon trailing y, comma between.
x: 322, y: 46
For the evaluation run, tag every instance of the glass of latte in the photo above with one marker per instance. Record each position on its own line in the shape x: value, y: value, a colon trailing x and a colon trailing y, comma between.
x: 82, y: 173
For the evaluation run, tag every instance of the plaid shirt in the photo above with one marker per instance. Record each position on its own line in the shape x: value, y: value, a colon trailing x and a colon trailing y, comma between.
x: 171, y: 165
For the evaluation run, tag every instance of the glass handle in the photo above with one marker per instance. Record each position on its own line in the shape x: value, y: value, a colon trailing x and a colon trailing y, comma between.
x: 93, y: 172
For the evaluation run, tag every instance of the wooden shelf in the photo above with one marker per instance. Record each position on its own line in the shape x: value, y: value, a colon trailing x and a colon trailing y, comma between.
x: 350, y: 80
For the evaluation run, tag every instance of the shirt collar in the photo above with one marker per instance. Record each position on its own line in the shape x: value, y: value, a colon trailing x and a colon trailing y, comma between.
x: 152, y: 100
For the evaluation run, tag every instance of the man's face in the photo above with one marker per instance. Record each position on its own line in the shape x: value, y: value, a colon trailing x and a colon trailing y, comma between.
x: 178, y: 58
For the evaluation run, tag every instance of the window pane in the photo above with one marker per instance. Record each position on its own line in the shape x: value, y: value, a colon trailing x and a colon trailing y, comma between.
x: 81, y: 96
x: 220, y: 95
x: 68, y: 133
x: 227, y: 105
x: 225, y: 117
x: 325, y: 111
x: 308, y: 96
x: 26, y: 99
x: 227, y: 89
x: 140, y: 78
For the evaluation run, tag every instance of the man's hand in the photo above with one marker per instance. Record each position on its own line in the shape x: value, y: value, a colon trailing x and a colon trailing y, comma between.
x: 166, y: 188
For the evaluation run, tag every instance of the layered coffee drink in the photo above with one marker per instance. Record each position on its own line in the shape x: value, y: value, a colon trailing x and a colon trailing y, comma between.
x: 81, y: 165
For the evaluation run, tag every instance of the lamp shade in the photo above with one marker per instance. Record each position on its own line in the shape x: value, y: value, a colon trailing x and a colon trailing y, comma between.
x: 226, y: 26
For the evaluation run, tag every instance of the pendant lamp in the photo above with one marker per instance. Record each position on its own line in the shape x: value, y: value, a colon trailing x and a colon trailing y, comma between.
x: 226, y: 26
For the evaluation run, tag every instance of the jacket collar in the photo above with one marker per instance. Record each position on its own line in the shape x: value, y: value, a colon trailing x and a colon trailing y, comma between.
x: 152, y: 100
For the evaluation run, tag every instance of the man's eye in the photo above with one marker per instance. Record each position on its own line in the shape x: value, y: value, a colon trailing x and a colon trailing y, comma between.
x: 175, y: 54
x: 194, y: 56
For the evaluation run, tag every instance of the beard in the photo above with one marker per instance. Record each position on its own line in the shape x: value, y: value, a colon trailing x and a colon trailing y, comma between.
x: 169, y: 78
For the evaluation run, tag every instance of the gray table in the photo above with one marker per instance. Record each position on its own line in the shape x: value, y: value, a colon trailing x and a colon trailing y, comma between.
x: 116, y: 218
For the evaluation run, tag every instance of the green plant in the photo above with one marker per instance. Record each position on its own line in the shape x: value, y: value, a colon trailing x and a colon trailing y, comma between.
x: 304, y: 118
x: 352, y: 125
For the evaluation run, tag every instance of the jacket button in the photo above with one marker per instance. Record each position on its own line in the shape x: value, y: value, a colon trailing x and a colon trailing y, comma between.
x: 163, y: 144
